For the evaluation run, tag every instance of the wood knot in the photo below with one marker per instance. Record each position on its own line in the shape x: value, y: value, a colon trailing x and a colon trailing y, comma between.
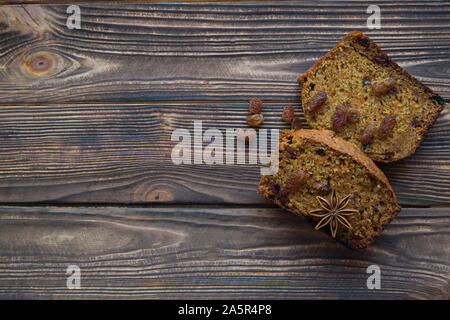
x: 39, y: 63
x: 160, y: 195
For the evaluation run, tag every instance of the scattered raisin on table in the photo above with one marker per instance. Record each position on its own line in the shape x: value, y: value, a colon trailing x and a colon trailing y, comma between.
x: 296, y: 180
x: 288, y: 114
x: 353, y: 116
x: 368, y: 134
x: 255, y: 120
x: 296, y: 124
x: 339, y: 118
x: 255, y: 106
x: 316, y: 101
x: 386, y: 126
x: 383, y: 86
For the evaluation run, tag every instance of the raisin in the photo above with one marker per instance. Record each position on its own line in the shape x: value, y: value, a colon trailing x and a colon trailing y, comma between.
x: 255, y: 120
x: 386, y: 125
x: 415, y: 123
x: 383, y: 86
x: 438, y: 99
x: 274, y: 189
x: 282, y: 195
x: 364, y: 42
x: 316, y: 101
x: 320, y: 151
x: 288, y: 114
x: 393, y: 91
x: 381, y: 60
x: 291, y: 152
x: 296, y: 180
x: 296, y: 124
x: 339, y: 118
x: 255, y: 106
x: 311, y: 87
x: 289, y: 139
x: 320, y: 188
x: 323, y: 189
x: 368, y: 134
x: 366, y: 82
x: 353, y: 116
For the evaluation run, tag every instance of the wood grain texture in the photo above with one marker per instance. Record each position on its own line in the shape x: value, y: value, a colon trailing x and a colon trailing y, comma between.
x: 212, y: 253
x: 121, y: 153
x: 192, y: 51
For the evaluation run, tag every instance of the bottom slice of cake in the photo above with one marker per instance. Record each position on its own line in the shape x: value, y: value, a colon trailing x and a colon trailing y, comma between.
x: 333, y: 182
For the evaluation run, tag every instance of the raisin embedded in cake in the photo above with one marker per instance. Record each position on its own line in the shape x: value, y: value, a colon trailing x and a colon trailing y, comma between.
x: 356, y: 87
x: 333, y: 182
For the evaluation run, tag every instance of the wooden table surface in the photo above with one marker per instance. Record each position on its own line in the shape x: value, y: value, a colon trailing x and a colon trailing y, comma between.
x: 86, y: 176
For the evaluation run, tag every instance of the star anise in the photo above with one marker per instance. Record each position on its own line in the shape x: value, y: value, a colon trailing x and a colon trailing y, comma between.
x: 333, y: 212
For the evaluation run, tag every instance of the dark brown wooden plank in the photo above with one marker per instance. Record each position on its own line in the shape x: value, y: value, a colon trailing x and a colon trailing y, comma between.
x: 120, y: 153
x: 214, y: 253
x: 215, y: 51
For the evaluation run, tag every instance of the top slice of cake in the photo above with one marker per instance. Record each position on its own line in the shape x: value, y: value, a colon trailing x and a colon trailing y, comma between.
x: 366, y: 98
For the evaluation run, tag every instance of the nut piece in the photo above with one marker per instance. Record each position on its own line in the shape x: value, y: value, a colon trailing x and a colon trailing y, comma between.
x: 386, y: 126
x: 296, y: 124
x: 352, y: 116
x: 296, y: 180
x: 255, y: 120
x: 255, y: 106
x: 383, y: 86
x: 315, y: 102
x: 339, y: 118
x: 288, y: 114
x: 368, y: 134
